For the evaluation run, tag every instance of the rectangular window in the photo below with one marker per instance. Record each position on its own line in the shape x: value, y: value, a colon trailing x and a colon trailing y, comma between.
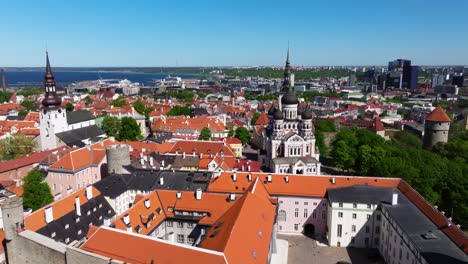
x: 306, y: 203
x: 354, y: 205
x: 340, y: 214
x: 296, y: 227
x: 354, y: 215
x: 340, y: 230
x: 180, y: 225
x: 367, y: 229
x: 324, y: 215
x: 352, y: 240
x: 314, y: 215
x: 368, y: 216
x: 180, y: 238
x: 189, y: 225
x: 353, y: 228
x: 296, y: 202
x: 306, y: 213
x: 190, y: 240
x: 315, y: 203
x: 376, y: 241
x: 169, y: 223
x: 379, y: 217
x: 296, y: 212
x: 368, y: 206
x: 340, y: 205
x: 377, y: 229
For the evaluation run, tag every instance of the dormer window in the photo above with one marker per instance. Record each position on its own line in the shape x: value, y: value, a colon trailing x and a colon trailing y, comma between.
x: 52, y: 235
x: 67, y: 226
x: 147, y: 204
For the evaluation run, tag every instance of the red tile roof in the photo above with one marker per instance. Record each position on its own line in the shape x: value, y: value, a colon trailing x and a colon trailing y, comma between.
x: 140, y: 249
x: 262, y: 119
x: 80, y: 159
x: 438, y: 115
x: 312, y: 186
x: 30, y: 159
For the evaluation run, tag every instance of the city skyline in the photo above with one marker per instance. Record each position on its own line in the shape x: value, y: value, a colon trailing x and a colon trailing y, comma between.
x: 232, y: 34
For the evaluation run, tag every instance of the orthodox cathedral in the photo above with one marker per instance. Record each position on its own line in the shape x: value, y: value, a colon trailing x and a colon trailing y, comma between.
x: 289, y: 142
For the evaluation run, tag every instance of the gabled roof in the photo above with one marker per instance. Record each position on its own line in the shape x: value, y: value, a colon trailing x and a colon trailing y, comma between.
x: 140, y: 249
x: 75, y: 137
x: 79, y: 159
x: 243, y: 233
x: 79, y: 116
x: 377, y: 125
x: 262, y: 119
x: 438, y: 115
x: 35, y: 157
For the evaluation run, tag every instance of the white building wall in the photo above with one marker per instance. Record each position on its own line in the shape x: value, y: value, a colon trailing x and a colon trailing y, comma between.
x: 358, y: 222
x: 52, y: 121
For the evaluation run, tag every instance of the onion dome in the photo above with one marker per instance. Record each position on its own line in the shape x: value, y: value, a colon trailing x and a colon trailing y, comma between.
x: 289, y: 98
x: 306, y: 115
x: 278, y: 115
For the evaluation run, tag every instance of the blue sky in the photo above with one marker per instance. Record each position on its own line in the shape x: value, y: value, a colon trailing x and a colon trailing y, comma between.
x: 235, y: 32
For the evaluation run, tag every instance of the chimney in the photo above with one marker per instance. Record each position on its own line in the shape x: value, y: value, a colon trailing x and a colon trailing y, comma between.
x: 78, y: 206
x: 394, y: 198
x: 179, y: 195
x: 161, y: 181
x: 183, y: 155
x: 286, y: 179
x: 333, y: 180
x: 3, y: 81
x: 198, y: 194
x: 232, y: 197
x: 162, y: 163
x: 49, y: 215
x: 269, y: 178
x: 142, y: 161
x: 151, y: 161
x: 201, y: 155
x: 248, y: 167
x: 234, y: 176
x: 89, y: 192
x: 249, y: 176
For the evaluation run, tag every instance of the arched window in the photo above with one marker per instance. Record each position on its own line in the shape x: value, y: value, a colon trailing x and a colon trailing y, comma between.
x: 282, y: 216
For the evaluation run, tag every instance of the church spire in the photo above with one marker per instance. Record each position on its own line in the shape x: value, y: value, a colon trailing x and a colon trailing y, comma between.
x: 51, y: 99
x: 287, y: 74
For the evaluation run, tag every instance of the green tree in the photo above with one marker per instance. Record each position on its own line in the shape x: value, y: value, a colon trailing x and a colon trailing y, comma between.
x: 325, y: 125
x: 88, y: 100
x: 111, y: 125
x: 231, y: 131
x: 243, y: 134
x: 179, y: 110
x: 36, y: 191
x: 29, y: 105
x: 69, y: 107
x: 254, y: 118
x: 148, y: 110
x: 129, y: 129
x: 343, y: 155
x: 320, y: 142
x: 22, y: 113
x: 205, y: 134
x: 119, y: 102
x: 139, y: 106
x: 4, y: 97
x: 16, y: 146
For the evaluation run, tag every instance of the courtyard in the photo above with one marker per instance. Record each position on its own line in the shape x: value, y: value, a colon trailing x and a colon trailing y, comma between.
x: 305, y: 250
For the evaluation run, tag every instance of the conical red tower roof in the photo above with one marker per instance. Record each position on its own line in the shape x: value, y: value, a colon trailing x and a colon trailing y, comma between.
x: 438, y: 115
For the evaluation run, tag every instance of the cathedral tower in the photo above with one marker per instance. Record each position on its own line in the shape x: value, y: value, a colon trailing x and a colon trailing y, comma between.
x: 53, y: 119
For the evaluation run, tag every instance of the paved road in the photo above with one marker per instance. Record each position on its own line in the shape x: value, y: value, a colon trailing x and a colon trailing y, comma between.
x: 305, y: 250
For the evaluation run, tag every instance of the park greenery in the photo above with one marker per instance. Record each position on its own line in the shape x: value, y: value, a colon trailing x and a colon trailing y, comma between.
x: 439, y: 176
x: 121, y: 129
x: 243, y: 135
x: 179, y: 110
x: 141, y: 108
x: 16, y: 146
x: 30, y: 91
x: 320, y: 127
x: 205, y: 134
x: 30, y: 105
x: 36, y: 190
x: 69, y: 107
x: 119, y: 102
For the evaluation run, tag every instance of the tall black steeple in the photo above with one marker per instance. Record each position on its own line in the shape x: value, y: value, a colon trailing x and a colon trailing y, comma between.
x: 51, y: 100
x: 287, y: 75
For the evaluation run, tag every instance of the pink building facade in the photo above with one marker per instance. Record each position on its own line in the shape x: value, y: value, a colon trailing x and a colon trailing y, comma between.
x: 302, y: 215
